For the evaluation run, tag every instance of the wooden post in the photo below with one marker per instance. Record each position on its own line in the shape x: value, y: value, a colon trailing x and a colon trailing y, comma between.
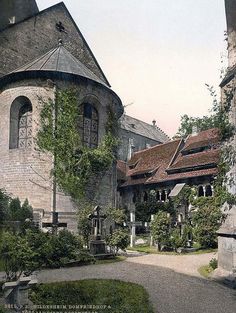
x: 151, y: 239
x: 132, y: 236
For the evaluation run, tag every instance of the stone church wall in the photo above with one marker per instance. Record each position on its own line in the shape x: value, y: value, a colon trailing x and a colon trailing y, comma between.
x: 26, y: 173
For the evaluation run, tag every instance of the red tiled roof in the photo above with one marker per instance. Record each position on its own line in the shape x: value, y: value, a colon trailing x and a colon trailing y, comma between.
x: 121, y: 169
x: 183, y: 175
x: 168, y: 163
x: 196, y: 159
x: 153, y: 158
x: 205, y: 138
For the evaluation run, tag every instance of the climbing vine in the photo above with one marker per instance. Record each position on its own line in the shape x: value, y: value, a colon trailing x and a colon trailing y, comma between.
x: 74, y: 163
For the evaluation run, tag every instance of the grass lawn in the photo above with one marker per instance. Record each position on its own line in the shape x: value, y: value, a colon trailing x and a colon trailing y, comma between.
x: 115, y: 296
x: 148, y: 249
x: 205, y: 270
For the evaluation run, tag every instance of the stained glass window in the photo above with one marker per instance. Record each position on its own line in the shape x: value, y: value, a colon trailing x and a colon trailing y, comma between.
x: 25, y: 127
x: 88, y: 125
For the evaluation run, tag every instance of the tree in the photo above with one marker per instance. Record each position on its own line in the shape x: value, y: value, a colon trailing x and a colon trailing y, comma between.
x: 160, y: 229
x: 219, y: 117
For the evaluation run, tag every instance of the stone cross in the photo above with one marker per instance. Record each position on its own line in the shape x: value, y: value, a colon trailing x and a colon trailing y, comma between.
x: 55, y: 223
x: 97, y: 220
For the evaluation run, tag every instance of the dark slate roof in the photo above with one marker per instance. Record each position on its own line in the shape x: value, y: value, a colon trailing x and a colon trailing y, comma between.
x: 59, y: 60
x: 144, y: 129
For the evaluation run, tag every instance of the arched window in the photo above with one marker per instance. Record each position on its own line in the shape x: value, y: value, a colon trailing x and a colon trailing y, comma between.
x: 163, y: 196
x: 145, y: 196
x: 21, y: 124
x: 200, y: 191
x: 208, y: 191
x: 88, y: 125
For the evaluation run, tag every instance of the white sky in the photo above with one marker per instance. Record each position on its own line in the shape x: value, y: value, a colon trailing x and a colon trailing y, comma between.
x: 156, y: 54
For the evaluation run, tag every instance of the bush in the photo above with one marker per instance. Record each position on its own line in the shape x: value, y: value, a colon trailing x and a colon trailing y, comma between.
x: 160, y: 229
x: 175, y: 239
x: 206, y: 222
x: 17, y: 256
x: 118, y: 240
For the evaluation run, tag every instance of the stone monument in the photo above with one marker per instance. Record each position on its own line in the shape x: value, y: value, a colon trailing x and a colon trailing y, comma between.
x: 16, y: 293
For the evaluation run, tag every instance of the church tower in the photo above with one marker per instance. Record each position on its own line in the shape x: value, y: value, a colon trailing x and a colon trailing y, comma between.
x: 15, y: 11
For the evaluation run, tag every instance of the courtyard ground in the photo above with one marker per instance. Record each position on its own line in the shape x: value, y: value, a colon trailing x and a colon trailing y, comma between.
x: 172, y: 281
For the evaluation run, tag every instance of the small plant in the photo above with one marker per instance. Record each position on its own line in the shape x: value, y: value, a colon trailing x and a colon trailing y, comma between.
x: 213, y: 263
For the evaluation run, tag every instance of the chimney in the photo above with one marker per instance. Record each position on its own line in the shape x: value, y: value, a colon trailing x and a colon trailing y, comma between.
x: 194, y: 131
x: 154, y: 123
x: 15, y: 11
x: 131, y: 147
x: 230, y: 10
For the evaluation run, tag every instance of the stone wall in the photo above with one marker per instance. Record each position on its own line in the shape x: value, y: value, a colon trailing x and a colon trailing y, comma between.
x: 139, y: 143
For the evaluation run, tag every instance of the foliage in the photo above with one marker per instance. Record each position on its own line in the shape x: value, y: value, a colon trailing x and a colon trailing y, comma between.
x: 74, y: 164
x: 17, y: 256
x: 26, y: 252
x: 119, y: 239
x: 160, y: 229
x: 219, y: 118
x: 144, y: 210
x: 206, y: 221
x: 114, y: 295
x: 13, y: 215
x: 60, y: 249
x: 4, y: 201
x: 213, y: 263
x: 117, y: 215
x: 84, y: 223
x: 175, y: 239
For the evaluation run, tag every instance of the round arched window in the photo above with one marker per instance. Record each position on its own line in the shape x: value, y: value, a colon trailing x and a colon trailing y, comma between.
x: 88, y: 125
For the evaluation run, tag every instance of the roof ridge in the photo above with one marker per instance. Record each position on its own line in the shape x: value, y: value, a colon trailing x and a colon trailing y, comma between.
x: 154, y: 128
x: 161, y: 144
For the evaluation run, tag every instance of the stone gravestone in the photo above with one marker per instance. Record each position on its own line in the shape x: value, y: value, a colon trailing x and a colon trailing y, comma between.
x: 97, y: 245
x: 227, y: 240
x: 16, y: 293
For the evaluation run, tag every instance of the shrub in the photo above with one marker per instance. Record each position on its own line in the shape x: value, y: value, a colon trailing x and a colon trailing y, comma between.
x: 206, y: 222
x: 160, y: 229
x: 213, y: 263
x: 118, y: 240
x: 175, y: 239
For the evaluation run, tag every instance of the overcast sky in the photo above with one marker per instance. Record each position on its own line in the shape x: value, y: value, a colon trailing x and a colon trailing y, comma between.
x: 156, y: 54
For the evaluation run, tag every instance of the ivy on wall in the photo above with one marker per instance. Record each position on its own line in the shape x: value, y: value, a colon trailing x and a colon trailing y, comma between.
x: 74, y: 163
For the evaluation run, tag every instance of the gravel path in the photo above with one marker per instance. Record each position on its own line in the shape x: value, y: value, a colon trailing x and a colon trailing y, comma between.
x: 185, y: 264
x: 170, y: 290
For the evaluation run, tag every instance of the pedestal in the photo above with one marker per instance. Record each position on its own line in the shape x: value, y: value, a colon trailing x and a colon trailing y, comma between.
x: 97, y: 247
